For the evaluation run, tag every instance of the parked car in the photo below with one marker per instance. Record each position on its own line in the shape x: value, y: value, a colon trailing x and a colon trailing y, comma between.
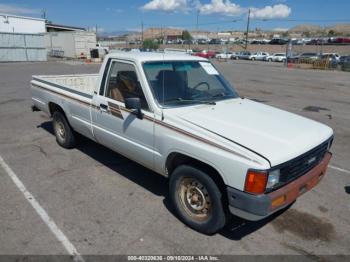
x: 244, y: 55
x: 331, y: 56
x: 259, y: 42
x: 226, y: 55
x: 276, y: 57
x: 202, y: 41
x: 215, y: 41
x: 178, y: 116
x: 307, y: 56
x: 345, y: 64
x: 235, y: 55
x: 342, y: 40
x: 343, y: 58
x: 278, y: 41
x: 258, y: 56
x: 205, y: 54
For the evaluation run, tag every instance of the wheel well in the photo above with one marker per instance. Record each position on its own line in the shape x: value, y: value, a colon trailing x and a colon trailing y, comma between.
x: 176, y: 159
x: 55, y: 108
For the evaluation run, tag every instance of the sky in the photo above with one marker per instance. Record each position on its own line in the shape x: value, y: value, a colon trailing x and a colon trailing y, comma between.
x: 214, y: 15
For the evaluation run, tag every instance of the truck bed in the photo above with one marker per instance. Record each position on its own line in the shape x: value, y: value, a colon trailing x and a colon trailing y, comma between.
x: 78, y: 84
x: 73, y: 93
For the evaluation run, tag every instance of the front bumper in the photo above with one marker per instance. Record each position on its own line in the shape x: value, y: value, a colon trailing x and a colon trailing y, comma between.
x: 256, y: 207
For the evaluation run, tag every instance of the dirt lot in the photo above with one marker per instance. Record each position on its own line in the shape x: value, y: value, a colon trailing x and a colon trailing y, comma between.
x: 107, y: 204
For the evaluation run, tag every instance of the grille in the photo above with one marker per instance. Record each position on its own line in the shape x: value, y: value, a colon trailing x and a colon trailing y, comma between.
x: 302, y: 164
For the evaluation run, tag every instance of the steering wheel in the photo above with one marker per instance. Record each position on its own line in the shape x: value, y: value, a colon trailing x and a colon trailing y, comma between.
x: 201, y: 83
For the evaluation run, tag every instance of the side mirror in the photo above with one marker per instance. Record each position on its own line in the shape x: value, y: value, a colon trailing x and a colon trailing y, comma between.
x: 134, y: 104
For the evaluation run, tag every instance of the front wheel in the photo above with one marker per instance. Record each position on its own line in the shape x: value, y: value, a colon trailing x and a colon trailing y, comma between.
x: 197, y: 199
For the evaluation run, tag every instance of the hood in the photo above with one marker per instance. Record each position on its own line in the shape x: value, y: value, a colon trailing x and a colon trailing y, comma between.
x: 275, y: 134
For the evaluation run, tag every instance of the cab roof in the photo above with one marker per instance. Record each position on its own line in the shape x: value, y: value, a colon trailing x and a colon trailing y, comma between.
x: 153, y: 56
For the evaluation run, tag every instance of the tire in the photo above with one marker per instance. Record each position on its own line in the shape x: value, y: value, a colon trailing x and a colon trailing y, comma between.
x: 188, y: 187
x: 65, y: 135
x: 253, y: 59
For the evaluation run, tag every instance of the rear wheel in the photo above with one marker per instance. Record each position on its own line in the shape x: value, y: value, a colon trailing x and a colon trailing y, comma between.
x: 65, y: 136
x: 197, y: 199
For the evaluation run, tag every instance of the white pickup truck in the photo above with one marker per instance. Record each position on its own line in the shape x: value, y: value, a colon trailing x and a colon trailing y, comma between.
x: 177, y: 115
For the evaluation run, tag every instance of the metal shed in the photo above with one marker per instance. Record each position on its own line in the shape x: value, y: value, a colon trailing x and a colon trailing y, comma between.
x: 15, y: 47
x: 75, y: 44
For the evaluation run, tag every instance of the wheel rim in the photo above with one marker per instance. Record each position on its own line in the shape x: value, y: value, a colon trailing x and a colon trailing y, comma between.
x: 195, y: 199
x: 60, y: 131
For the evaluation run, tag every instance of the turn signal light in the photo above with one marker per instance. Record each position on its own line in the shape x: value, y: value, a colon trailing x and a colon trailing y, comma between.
x: 278, y: 201
x: 255, y: 182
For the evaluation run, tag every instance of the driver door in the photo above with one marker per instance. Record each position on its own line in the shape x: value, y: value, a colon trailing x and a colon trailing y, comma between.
x: 114, y: 125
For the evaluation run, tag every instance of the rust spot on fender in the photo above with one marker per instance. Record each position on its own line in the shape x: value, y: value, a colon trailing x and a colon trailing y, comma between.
x: 304, y: 225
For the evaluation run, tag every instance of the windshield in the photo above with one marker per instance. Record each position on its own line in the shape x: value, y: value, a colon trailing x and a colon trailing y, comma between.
x: 175, y: 83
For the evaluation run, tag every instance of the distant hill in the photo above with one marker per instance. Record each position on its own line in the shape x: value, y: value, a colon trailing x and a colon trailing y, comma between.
x: 115, y: 33
x: 305, y: 28
x: 341, y: 28
x: 338, y: 28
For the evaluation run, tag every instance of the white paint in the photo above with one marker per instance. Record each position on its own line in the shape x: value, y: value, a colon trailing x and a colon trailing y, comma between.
x: 339, y: 169
x: 42, y: 213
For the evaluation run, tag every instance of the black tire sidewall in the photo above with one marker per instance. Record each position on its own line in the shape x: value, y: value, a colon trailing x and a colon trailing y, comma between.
x: 217, y: 218
x: 69, y: 140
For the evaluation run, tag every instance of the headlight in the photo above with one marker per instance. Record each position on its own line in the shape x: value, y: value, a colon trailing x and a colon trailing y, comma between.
x: 273, y: 179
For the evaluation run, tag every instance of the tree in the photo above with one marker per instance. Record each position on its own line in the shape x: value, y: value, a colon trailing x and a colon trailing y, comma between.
x: 306, y: 34
x: 285, y: 34
x: 150, y: 44
x: 331, y: 33
x: 186, y: 35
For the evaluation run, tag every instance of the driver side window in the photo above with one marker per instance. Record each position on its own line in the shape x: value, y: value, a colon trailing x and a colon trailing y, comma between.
x: 123, y: 83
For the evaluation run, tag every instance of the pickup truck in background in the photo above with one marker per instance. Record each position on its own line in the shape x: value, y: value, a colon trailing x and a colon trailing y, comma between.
x: 177, y: 115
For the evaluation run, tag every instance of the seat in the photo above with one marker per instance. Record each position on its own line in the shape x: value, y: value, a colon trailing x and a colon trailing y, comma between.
x: 170, y: 85
x: 125, y: 86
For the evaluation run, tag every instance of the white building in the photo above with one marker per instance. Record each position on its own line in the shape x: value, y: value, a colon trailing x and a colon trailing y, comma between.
x: 21, y: 24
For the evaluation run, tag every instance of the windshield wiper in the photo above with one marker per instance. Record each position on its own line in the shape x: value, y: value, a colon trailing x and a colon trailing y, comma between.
x: 192, y: 100
x: 220, y: 95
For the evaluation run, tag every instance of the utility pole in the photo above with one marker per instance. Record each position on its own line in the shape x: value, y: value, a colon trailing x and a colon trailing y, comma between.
x: 247, y: 32
x: 43, y: 14
x: 141, y: 33
x: 197, y: 20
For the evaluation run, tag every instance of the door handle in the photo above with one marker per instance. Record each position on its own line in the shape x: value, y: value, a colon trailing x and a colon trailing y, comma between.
x: 103, y: 108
